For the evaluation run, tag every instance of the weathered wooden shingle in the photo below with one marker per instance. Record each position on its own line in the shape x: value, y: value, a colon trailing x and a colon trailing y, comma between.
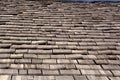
x: 64, y: 78
x: 5, y: 77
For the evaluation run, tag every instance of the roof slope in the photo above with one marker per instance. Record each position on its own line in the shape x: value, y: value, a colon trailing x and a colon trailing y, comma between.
x: 59, y: 41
